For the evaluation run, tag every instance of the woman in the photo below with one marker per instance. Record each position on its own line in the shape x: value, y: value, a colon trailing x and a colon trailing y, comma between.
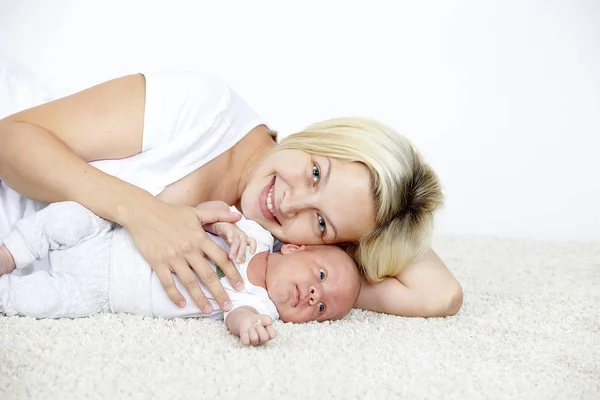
x: 142, y: 150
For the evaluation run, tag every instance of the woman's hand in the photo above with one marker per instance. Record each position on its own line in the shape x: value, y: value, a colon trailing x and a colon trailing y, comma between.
x: 173, y: 241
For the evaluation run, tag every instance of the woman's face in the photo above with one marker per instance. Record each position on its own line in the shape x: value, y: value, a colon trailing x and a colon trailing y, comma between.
x: 309, y: 199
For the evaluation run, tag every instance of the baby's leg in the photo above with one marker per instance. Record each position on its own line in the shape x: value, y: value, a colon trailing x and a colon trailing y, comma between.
x: 7, y: 262
x: 42, y: 295
x: 59, y: 226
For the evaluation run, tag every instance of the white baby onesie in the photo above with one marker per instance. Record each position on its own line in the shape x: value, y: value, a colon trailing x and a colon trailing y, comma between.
x: 94, y: 267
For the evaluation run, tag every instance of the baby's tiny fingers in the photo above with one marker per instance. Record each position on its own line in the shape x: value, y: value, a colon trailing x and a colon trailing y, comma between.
x: 264, y: 320
x: 271, y: 331
x: 252, y: 243
x: 245, y: 337
x: 262, y: 334
x: 230, y: 237
x: 254, y: 338
x: 235, y: 246
x: 241, y: 253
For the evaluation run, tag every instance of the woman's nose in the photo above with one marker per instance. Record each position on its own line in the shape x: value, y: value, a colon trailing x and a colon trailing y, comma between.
x: 294, y: 202
x: 314, y: 296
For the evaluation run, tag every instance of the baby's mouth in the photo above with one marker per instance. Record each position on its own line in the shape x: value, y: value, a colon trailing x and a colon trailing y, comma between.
x: 297, y: 299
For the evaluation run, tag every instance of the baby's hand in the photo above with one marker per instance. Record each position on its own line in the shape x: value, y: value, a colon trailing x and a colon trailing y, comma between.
x: 237, y: 240
x: 257, y: 329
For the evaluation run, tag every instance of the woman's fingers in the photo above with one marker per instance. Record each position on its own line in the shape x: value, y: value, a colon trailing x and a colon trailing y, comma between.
x: 165, y: 277
x: 210, y: 215
x: 190, y: 284
x: 210, y: 279
x: 213, y: 251
x: 221, y: 259
x: 172, y: 240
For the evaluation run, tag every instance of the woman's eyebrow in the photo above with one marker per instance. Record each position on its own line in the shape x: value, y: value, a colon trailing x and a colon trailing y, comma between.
x: 325, y: 180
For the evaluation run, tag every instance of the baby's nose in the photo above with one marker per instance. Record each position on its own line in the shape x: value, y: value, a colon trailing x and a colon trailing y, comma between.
x: 314, y: 296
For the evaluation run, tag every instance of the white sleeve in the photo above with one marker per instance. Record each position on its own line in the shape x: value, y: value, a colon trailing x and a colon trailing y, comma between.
x: 180, y: 103
x: 262, y: 305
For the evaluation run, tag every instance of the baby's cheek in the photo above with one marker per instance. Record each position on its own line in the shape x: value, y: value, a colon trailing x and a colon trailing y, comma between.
x: 290, y: 314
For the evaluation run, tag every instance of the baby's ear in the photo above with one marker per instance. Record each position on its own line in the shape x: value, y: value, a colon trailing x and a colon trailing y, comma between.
x: 291, y: 248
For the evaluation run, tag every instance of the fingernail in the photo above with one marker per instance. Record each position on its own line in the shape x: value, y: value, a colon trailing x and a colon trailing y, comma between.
x: 181, y: 303
x: 227, y: 306
x: 207, y: 309
x: 239, y: 286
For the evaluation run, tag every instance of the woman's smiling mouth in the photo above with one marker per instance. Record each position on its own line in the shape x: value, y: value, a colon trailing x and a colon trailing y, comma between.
x: 266, y: 202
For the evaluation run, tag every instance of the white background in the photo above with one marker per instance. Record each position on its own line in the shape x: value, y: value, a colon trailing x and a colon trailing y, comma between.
x: 503, y: 99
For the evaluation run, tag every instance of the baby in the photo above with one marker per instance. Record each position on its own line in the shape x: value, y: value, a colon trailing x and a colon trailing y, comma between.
x: 94, y: 267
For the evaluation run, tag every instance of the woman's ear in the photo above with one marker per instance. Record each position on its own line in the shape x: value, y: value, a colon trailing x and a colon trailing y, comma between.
x: 291, y: 248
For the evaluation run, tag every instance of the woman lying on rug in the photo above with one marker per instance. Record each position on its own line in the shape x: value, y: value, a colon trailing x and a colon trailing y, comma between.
x: 142, y: 150
x: 95, y: 267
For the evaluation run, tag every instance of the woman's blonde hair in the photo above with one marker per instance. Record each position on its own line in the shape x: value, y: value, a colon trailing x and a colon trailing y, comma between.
x: 405, y: 189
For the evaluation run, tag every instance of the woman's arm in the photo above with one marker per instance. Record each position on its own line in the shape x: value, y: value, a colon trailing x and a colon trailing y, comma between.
x: 45, y: 149
x: 425, y: 288
x: 44, y: 153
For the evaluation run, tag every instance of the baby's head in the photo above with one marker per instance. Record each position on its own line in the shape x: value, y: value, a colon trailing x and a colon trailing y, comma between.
x: 312, y: 283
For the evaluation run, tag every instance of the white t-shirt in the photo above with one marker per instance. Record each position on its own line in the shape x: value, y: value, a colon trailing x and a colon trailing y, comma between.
x: 190, y: 118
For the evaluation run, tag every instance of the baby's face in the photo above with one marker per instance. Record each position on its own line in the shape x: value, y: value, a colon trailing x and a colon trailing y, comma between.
x: 312, y: 283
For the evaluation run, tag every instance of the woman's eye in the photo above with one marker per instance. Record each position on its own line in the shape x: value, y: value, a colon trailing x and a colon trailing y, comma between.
x: 321, y: 307
x: 322, y: 274
x: 321, y: 223
x: 316, y: 174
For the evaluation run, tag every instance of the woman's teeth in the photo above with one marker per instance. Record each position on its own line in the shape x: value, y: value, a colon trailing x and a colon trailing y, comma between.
x: 270, y: 201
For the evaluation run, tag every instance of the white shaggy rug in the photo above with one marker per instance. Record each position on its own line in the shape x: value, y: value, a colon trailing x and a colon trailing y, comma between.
x: 529, y: 329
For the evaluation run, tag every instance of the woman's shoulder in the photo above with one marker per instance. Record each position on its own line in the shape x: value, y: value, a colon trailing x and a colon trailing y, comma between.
x: 186, y: 83
x: 177, y: 101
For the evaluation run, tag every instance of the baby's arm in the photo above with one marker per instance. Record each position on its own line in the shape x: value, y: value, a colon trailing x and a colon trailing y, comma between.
x: 235, y: 238
x: 58, y: 226
x: 251, y: 327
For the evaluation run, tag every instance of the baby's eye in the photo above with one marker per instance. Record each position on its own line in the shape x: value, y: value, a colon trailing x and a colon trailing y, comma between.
x: 322, y: 274
x: 321, y: 307
x: 316, y: 173
x: 321, y: 223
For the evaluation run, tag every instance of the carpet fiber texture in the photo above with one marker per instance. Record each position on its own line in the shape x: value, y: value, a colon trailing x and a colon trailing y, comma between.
x: 529, y: 329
